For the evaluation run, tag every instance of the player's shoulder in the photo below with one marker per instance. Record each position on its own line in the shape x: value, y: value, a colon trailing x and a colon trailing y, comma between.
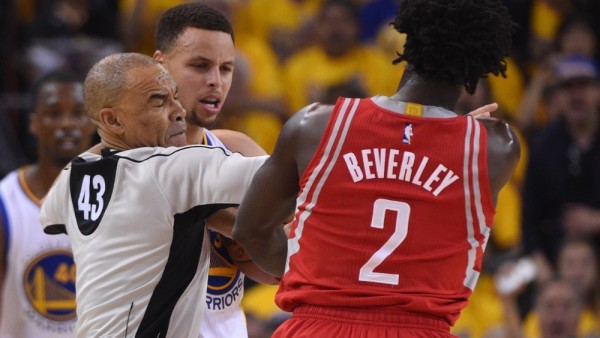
x: 502, y: 138
x: 307, y: 122
x: 503, y: 152
x: 311, y: 115
x: 238, y: 142
x: 229, y: 134
x: 10, y: 178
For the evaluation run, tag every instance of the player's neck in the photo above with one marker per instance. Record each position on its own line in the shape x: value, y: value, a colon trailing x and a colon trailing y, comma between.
x: 194, y: 134
x: 417, y: 89
x: 40, y: 176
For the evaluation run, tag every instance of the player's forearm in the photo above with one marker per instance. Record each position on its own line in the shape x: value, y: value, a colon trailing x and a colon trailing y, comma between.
x: 244, y: 262
x: 267, y: 250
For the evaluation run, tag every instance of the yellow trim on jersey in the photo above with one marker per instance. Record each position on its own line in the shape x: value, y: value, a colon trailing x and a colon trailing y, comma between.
x: 222, y: 272
x: 414, y: 109
x: 25, y: 186
x: 204, y: 139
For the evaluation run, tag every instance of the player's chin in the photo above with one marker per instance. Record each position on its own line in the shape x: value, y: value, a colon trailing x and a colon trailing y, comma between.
x: 204, y: 117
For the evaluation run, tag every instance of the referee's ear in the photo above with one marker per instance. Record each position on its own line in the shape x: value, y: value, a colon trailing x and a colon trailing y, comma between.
x: 109, y: 119
x: 158, y: 56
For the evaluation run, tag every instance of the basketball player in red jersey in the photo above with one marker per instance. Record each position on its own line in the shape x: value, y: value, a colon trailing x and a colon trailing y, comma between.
x: 394, y: 196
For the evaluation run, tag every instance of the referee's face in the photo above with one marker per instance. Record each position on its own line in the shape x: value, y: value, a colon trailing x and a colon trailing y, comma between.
x: 149, y: 109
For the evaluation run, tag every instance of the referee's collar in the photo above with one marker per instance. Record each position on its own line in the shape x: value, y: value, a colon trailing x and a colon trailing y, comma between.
x: 106, y: 152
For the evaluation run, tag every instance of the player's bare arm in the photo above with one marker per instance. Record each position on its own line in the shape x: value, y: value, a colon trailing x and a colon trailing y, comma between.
x: 244, y: 262
x: 258, y: 226
x: 243, y: 144
x: 222, y: 221
x: 503, y: 153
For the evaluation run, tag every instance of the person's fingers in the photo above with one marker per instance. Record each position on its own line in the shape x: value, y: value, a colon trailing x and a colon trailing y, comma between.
x: 484, y: 111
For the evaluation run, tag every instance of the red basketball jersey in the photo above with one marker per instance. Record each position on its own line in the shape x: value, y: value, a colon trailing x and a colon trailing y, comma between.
x: 394, y: 213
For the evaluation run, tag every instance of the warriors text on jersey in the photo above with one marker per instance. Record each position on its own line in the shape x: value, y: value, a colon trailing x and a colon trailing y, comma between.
x: 407, y: 214
x: 135, y: 220
x: 38, y: 297
x: 224, y: 317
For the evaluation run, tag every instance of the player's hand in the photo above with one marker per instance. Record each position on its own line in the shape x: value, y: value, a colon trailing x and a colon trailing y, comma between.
x: 484, y: 111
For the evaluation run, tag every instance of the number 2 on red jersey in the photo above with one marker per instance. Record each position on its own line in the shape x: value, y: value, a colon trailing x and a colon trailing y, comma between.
x: 380, y: 207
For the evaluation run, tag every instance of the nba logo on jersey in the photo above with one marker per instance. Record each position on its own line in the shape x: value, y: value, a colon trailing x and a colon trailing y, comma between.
x: 408, y: 133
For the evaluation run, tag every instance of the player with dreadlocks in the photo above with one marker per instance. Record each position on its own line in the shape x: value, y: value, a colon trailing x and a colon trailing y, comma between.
x: 393, y: 196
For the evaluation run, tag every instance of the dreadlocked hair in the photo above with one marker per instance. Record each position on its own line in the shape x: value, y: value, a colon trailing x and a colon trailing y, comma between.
x: 456, y: 41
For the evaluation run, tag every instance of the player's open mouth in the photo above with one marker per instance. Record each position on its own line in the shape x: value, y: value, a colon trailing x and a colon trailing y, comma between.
x: 211, y: 104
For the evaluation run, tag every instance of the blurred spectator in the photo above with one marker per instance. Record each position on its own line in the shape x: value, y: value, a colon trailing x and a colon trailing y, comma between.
x: 374, y: 16
x: 520, y: 11
x: 562, y: 185
x: 508, y: 91
x: 556, y: 313
x: 391, y: 43
x: 575, y: 36
x: 72, y: 34
x: 138, y: 21
x: 559, y: 307
x: 285, y: 24
x: 13, y: 85
x: 256, y: 105
x: 337, y: 58
x: 546, y: 16
x: 577, y: 264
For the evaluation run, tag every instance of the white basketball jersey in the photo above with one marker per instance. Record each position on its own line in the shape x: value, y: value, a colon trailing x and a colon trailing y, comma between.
x: 224, y: 317
x: 136, y: 221
x: 38, y: 297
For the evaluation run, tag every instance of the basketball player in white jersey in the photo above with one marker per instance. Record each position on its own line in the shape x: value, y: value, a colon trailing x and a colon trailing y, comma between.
x: 37, y: 286
x: 137, y: 212
x: 195, y: 43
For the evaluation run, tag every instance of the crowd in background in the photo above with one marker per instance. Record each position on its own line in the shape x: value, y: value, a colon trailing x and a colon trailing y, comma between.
x: 293, y: 52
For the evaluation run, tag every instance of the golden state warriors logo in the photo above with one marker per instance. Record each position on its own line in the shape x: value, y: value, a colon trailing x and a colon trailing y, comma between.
x: 49, y: 282
x: 225, y: 282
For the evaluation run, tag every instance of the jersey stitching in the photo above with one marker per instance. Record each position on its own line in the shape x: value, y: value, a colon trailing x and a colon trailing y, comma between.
x: 170, y: 154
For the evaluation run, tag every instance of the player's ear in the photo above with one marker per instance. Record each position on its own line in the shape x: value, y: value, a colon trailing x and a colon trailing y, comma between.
x: 110, y: 120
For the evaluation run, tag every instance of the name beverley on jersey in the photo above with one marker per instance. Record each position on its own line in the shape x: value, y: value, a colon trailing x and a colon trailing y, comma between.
x: 383, y: 163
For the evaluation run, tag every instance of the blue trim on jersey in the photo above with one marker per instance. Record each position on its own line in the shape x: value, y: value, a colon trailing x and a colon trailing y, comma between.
x: 6, y: 229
